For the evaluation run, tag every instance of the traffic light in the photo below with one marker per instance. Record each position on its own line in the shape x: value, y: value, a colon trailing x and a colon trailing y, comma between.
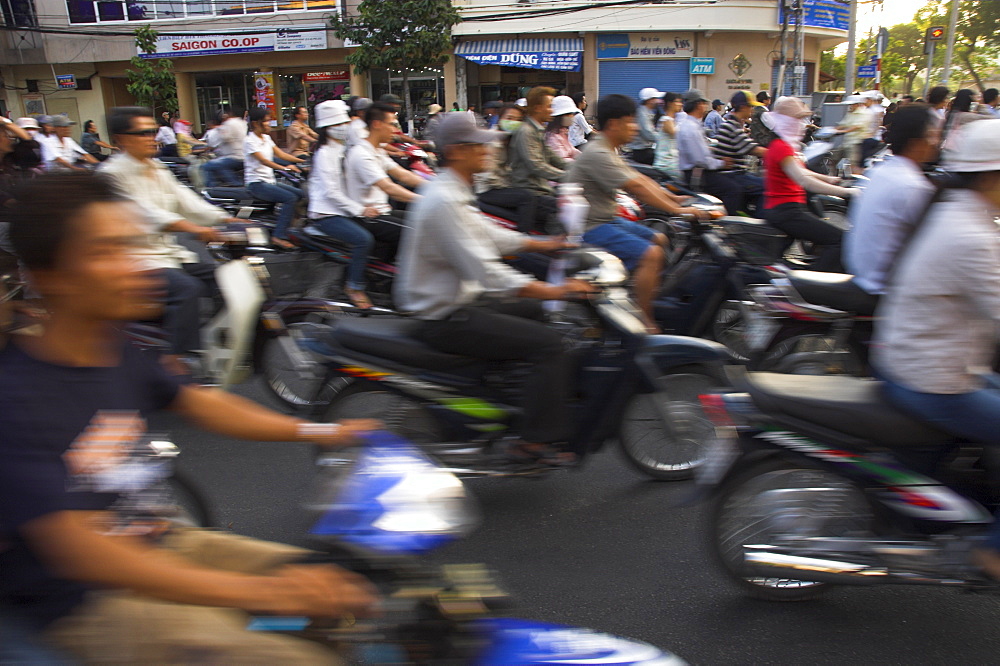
x: 935, y: 33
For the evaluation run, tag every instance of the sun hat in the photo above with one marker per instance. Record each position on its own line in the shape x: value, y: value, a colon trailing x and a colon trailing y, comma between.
x: 433, y: 109
x: 27, y: 123
x: 649, y: 93
x: 791, y: 106
x: 331, y: 112
x: 976, y: 147
x: 562, y: 105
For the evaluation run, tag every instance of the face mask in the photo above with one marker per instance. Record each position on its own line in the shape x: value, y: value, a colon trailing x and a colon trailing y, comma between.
x: 508, y: 125
x: 567, y: 120
x: 338, y: 132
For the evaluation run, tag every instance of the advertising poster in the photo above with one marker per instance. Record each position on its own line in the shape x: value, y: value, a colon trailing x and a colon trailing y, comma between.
x: 263, y: 83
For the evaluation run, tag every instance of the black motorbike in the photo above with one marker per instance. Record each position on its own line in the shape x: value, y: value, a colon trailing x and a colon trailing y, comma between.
x: 818, y: 481
x: 638, y: 388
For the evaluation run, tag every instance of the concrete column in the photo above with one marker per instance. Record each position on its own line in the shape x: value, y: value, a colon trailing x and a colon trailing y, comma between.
x: 187, y: 98
x: 591, y: 67
x: 461, y: 84
x: 450, y: 82
x: 359, y: 83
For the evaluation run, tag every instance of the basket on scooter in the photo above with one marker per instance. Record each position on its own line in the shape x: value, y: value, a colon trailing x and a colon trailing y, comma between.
x: 291, y: 274
x: 754, y: 240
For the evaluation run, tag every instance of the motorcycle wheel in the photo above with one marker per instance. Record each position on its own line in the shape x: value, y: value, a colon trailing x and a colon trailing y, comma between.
x: 729, y: 329
x: 811, y: 354
x: 401, y: 415
x: 670, y: 451
x: 753, y: 508
x: 280, y: 375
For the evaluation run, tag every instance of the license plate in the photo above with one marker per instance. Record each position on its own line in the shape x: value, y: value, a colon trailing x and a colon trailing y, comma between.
x: 760, y: 330
x: 720, y: 454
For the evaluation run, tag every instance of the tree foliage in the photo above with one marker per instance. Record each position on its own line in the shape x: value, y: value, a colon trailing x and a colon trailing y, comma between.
x: 977, y: 41
x: 151, y: 80
x: 401, y: 35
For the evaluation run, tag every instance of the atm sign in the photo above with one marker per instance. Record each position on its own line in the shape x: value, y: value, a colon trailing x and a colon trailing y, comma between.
x: 703, y: 65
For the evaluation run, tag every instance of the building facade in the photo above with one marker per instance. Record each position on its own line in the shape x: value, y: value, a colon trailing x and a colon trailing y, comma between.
x: 279, y: 52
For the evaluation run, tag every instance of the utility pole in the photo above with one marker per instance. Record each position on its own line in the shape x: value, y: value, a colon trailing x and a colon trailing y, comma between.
x: 780, y: 88
x: 852, y: 66
x: 800, y: 36
x: 933, y: 35
x: 950, y: 48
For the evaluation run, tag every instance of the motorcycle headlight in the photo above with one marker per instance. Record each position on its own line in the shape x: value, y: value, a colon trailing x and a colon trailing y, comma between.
x: 394, y: 500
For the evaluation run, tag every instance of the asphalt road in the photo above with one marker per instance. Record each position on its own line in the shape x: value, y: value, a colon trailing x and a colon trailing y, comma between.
x: 605, y: 548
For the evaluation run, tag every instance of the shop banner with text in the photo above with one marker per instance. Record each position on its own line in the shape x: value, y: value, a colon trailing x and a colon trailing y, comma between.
x: 303, y: 38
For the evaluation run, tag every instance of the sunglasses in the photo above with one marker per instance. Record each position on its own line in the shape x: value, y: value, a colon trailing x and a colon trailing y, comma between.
x: 145, y: 132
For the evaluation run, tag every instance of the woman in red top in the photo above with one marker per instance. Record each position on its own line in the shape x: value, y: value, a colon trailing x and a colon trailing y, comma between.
x: 786, y: 181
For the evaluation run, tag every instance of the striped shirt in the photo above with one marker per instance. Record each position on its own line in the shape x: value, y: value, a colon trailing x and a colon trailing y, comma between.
x: 733, y: 141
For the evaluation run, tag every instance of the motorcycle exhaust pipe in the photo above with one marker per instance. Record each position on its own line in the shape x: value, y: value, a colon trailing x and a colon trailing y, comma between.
x: 763, y: 562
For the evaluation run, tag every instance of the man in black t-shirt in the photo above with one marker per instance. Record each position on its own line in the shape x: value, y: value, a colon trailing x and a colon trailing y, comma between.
x: 73, y: 405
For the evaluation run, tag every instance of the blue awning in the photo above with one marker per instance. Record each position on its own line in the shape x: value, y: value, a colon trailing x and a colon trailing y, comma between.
x: 562, y: 55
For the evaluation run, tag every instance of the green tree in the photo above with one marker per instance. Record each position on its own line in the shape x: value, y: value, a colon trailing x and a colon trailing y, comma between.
x: 904, y: 58
x: 834, y: 65
x: 401, y: 35
x: 151, y: 80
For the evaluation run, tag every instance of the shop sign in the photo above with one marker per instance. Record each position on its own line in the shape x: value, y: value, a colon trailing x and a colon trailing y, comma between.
x: 703, y: 65
x: 66, y: 81
x: 559, y: 61
x: 263, y: 93
x: 325, y: 77
x: 646, y: 45
x: 821, y: 14
x: 175, y: 46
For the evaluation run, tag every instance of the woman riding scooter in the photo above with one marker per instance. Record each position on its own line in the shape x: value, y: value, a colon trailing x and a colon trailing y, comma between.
x: 786, y: 181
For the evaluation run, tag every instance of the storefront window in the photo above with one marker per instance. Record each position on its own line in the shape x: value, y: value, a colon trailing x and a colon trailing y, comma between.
x: 102, y: 11
x: 310, y: 88
x: 232, y: 91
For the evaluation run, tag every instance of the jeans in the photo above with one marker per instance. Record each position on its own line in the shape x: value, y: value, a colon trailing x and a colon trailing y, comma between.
x: 286, y: 195
x: 222, y: 170
x: 796, y: 221
x: 360, y: 240
x: 511, y: 329
x: 974, y: 416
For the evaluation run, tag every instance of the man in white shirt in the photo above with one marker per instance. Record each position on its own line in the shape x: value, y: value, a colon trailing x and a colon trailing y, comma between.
x: 61, y: 152
x: 225, y: 168
x: 580, y: 129
x: 370, y: 175
x: 885, y: 214
x: 168, y: 207
x: 452, y: 276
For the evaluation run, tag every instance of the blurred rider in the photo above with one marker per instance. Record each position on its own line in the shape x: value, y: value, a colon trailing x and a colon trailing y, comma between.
x: 936, y: 332
x: 885, y: 213
x: 330, y: 208
x: 98, y: 578
x: 452, y: 276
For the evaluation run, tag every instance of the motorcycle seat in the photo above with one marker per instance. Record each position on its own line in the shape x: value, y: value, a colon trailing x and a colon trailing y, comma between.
x: 848, y: 405
x: 835, y: 290
x: 237, y: 193
x: 395, y: 340
x: 508, y: 214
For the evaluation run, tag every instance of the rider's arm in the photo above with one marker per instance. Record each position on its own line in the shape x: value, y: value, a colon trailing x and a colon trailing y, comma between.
x: 805, y: 179
x: 285, y: 156
x: 228, y: 414
x: 397, y: 192
x: 533, y: 156
x: 68, y: 543
x: 405, y: 177
x: 9, y: 125
x: 647, y: 191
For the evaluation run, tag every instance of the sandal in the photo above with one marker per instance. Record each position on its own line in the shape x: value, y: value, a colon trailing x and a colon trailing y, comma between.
x: 359, y: 298
x: 539, y: 454
x: 282, y: 243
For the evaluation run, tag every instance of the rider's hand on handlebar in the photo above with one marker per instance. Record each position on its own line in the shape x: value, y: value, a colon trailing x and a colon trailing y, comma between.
x: 293, y: 168
x: 209, y: 235
x: 318, y: 591
x: 699, y: 213
x: 369, y: 211
x: 553, y: 244
x: 573, y: 288
x: 347, y: 434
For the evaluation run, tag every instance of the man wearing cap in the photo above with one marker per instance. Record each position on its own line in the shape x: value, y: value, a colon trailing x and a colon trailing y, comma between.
x: 62, y: 153
x: 643, y: 146
x: 452, y: 276
x: 733, y: 142
x: 713, y: 121
x: 492, y: 109
x: 433, y: 120
x: 533, y: 164
x: 701, y: 169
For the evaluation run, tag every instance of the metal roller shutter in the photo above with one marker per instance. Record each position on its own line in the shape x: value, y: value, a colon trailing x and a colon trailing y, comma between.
x: 628, y: 77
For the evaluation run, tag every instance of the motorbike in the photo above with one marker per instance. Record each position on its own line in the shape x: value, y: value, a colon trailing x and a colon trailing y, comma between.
x: 414, y: 159
x: 638, y: 388
x: 824, y: 154
x: 818, y: 481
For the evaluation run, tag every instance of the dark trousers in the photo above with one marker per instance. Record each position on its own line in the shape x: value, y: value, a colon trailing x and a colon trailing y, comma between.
x: 533, y: 211
x: 386, y: 229
x: 737, y: 190
x: 643, y: 155
x: 512, y: 330
x: 182, y: 310
x: 798, y: 222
